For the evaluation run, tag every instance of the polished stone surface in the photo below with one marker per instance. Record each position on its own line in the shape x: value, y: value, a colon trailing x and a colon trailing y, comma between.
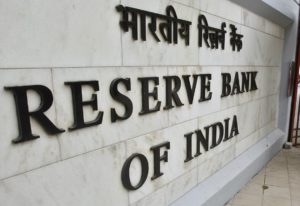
x: 56, y: 33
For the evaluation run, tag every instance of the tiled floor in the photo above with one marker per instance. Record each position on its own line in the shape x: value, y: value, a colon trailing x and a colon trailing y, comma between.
x: 278, y: 184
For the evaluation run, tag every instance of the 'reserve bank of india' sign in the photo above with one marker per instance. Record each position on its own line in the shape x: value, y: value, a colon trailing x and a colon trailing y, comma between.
x: 169, y: 27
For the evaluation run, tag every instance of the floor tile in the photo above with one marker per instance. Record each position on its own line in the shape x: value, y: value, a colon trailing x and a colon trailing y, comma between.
x: 277, y: 181
x: 281, y: 176
x: 295, y: 202
x: 258, y: 179
x: 282, y: 192
x: 278, y: 173
x: 283, y: 168
x: 275, y: 201
x: 243, y: 199
x: 253, y: 189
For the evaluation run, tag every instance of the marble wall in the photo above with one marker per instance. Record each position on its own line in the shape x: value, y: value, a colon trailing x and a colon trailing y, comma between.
x: 52, y: 42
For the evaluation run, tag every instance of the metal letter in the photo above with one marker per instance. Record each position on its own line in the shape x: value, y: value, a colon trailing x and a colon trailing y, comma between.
x: 188, y: 138
x: 78, y: 103
x: 116, y: 95
x: 125, y: 176
x: 190, y: 90
x: 215, y: 142
x: 201, y: 140
x: 23, y: 113
x: 171, y: 93
x: 157, y: 158
x: 226, y: 88
x: 205, y: 87
x: 146, y: 94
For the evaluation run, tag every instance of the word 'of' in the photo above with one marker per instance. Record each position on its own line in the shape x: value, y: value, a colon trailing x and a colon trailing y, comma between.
x: 212, y: 137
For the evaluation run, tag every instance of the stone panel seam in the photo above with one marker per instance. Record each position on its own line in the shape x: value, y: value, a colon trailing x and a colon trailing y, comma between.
x: 56, y: 162
x: 166, y: 184
x: 55, y: 111
x: 126, y: 156
x: 241, y: 24
x: 206, y: 12
x: 138, y: 66
x: 196, y: 168
x: 121, y: 43
x: 182, y: 4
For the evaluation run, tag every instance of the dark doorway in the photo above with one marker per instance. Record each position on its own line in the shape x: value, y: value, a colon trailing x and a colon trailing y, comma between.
x: 294, y: 126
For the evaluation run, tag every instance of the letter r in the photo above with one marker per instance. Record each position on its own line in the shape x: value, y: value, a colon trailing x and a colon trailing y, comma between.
x: 23, y: 113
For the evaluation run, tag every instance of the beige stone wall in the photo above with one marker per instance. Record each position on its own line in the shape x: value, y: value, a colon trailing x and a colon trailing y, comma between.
x: 51, y: 42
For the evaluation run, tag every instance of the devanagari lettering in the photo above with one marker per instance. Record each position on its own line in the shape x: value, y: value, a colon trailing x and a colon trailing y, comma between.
x: 168, y: 28
x: 212, y: 36
x: 236, y: 39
